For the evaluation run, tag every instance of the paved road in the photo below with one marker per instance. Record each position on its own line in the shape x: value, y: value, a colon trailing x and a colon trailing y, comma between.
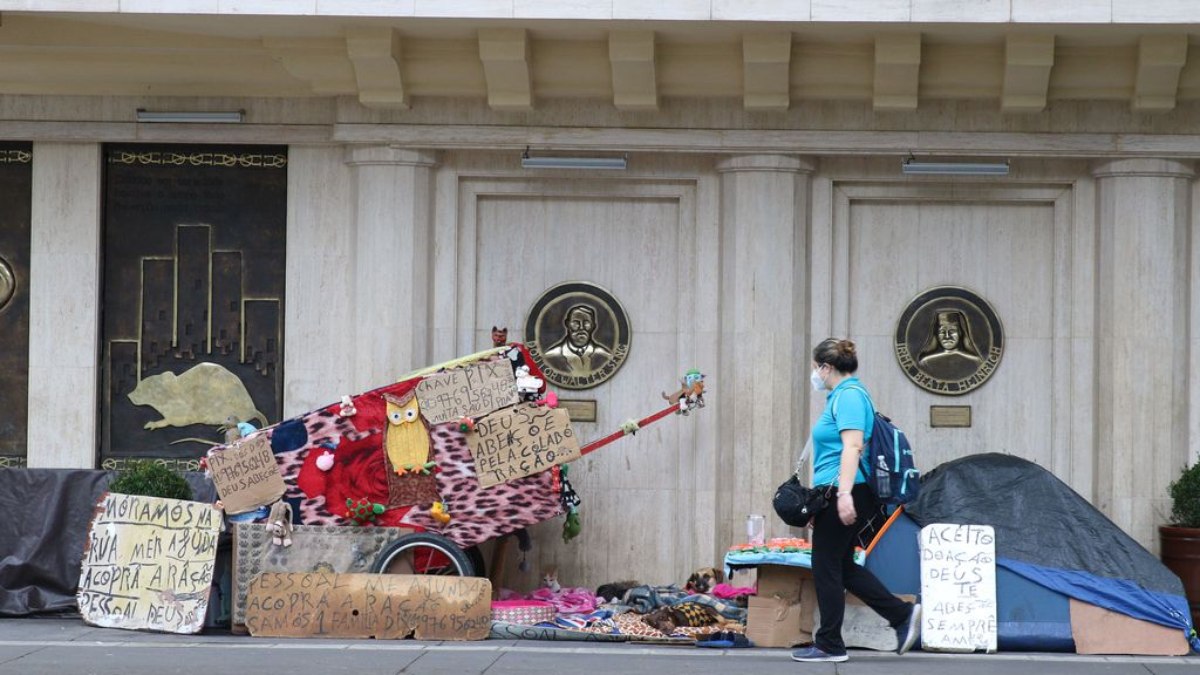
x: 67, y: 646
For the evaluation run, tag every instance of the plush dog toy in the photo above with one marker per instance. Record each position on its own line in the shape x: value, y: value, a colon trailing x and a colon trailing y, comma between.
x: 279, y: 524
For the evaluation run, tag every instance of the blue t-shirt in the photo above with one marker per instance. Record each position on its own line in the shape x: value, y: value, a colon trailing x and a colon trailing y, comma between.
x: 846, y: 407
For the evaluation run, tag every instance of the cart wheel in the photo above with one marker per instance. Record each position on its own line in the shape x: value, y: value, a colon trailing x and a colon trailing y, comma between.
x: 423, y: 553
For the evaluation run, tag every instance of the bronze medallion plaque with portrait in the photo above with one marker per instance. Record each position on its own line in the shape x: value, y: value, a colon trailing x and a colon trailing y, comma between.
x: 949, y: 341
x: 578, y: 334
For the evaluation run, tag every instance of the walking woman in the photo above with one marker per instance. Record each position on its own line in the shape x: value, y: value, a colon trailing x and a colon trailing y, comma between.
x: 838, y: 440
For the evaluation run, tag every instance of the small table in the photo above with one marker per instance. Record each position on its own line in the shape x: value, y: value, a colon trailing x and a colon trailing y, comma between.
x: 736, y: 560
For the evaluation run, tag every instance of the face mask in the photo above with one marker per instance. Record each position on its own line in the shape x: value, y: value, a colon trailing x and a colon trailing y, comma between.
x: 817, y: 383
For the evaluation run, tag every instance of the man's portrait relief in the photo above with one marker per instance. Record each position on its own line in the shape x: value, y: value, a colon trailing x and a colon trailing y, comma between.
x: 578, y: 352
x: 578, y: 334
x: 949, y: 341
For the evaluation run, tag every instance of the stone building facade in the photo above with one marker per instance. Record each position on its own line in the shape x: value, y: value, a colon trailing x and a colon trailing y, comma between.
x: 763, y: 208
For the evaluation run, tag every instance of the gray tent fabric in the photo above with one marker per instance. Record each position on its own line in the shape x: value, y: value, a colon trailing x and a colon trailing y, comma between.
x: 41, y: 539
x: 1038, y: 519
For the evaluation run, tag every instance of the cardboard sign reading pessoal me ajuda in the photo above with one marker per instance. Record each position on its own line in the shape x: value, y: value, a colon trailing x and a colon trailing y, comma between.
x: 383, y: 606
x: 148, y: 564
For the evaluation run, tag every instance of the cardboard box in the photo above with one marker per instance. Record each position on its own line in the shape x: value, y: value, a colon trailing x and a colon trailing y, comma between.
x: 775, y: 622
x: 782, y: 581
x: 1099, y: 631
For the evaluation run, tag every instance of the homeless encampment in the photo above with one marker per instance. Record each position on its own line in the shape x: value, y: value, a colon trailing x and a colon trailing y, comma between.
x: 1052, y: 547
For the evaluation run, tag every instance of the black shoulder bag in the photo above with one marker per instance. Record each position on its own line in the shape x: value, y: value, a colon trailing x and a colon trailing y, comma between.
x: 794, y: 503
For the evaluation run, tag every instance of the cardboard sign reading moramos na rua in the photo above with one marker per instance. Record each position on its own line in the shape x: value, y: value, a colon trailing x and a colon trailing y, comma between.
x: 148, y: 564
x: 521, y: 441
x: 246, y: 475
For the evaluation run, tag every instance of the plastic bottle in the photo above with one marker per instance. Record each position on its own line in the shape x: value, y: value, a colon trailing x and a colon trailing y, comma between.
x: 756, y: 527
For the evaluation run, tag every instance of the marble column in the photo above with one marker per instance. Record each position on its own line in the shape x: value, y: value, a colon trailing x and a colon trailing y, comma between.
x: 319, y: 312
x: 1142, y: 215
x: 64, y: 305
x: 764, y: 312
x: 392, y: 267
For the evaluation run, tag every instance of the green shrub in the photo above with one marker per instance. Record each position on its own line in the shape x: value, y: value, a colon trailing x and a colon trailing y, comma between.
x: 1185, y: 493
x: 151, y: 479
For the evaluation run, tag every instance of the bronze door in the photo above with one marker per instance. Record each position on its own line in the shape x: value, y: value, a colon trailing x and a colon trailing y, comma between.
x: 193, y: 296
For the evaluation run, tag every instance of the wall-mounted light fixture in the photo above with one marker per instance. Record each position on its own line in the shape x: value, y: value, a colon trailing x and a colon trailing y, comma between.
x: 191, y: 117
x: 911, y: 166
x: 610, y: 163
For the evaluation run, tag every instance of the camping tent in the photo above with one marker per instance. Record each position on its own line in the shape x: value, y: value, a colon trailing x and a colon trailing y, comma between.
x: 1051, y: 546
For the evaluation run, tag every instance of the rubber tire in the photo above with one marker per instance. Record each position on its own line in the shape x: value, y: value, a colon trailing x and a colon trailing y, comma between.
x: 427, y: 539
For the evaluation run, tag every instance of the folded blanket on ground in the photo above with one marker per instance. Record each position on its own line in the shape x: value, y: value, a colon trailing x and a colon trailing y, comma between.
x: 645, y: 599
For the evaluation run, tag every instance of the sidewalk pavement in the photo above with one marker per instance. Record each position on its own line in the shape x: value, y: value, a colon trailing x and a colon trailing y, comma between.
x: 39, y: 646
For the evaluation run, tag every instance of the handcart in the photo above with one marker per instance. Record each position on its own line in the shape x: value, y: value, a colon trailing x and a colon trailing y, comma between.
x: 449, y: 457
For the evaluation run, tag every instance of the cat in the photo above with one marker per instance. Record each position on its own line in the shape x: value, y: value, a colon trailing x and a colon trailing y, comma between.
x: 499, y: 336
x: 550, y: 579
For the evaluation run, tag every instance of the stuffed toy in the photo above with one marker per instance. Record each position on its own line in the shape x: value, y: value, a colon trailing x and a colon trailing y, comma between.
x: 690, y: 393
x: 279, y: 524
x: 439, y: 513
x: 528, y: 386
x: 364, y: 511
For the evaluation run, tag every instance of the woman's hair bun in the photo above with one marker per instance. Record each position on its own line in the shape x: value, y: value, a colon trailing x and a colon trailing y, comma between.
x: 846, y: 348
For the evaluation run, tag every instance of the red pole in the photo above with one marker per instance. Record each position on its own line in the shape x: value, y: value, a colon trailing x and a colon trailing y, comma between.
x: 617, y: 435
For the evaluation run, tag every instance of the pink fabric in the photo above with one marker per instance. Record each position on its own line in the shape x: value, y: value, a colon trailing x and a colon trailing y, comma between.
x: 726, y: 592
x: 568, y: 600
x: 513, y: 604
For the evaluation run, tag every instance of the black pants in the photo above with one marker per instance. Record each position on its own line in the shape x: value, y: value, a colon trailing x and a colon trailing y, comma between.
x: 835, y: 572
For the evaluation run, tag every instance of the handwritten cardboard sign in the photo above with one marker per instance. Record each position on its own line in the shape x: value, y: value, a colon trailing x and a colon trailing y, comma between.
x: 383, y: 606
x: 958, y: 588
x: 473, y: 391
x: 246, y: 475
x: 332, y: 548
x: 148, y: 564
x: 521, y: 441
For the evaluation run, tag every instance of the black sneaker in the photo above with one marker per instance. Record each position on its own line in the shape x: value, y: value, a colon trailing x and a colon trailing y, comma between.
x: 908, y: 632
x: 815, y: 654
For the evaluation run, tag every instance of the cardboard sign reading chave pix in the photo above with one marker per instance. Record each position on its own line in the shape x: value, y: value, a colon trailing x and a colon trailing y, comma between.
x: 521, y: 441
x: 383, y: 606
x: 475, y: 390
x: 148, y: 564
x: 246, y: 475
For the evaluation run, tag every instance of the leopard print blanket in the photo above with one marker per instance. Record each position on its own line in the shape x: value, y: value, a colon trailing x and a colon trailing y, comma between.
x: 479, y: 513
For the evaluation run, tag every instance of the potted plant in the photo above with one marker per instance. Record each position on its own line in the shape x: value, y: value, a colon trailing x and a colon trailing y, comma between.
x: 1181, y: 539
x: 150, y: 479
